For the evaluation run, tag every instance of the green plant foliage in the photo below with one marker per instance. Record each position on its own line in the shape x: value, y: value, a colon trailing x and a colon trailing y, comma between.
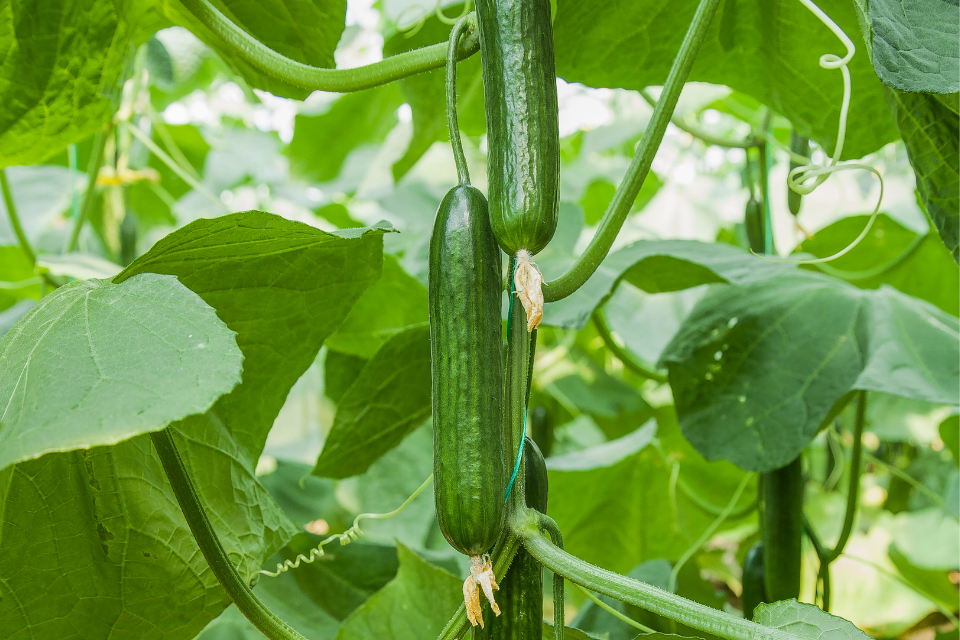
x: 392, y: 304
x: 755, y: 370
x: 255, y: 270
x: 389, y: 398
x: 61, y: 70
x: 918, y: 265
x: 769, y: 51
x: 913, y: 44
x: 303, y: 30
x: 426, y: 595
x: 67, y: 360
x: 321, y: 142
x: 931, y: 134
x: 806, y: 621
x: 15, y: 269
x: 928, y: 539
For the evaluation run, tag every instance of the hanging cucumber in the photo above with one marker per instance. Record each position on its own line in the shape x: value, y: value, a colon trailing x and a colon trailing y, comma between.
x: 521, y: 602
x: 753, y: 220
x: 466, y: 369
x: 754, y: 591
x: 523, y: 160
x: 781, y: 524
x: 800, y: 146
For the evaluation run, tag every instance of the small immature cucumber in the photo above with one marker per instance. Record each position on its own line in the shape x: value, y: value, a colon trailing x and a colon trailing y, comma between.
x: 520, y: 89
x: 754, y: 591
x: 800, y: 146
x: 521, y: 599
x: 467, y: 373
x: 781, y: 525
x: 755, y: 222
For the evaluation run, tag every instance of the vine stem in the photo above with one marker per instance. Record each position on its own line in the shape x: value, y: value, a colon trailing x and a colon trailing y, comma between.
x: 623, y: 354
x: 228, y: 576
x: 463, y: 172
x: 626, y: 193
x: 17, y: 227
x: 316, y: 78
x: 645, y: 596
x: 93, y: 169
x: 616, y: 614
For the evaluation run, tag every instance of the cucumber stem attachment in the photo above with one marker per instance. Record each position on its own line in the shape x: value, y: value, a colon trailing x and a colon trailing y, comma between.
x: 249, y: 605
x: 456, y: 33
x: 626, y: 193
x: 316, y: 78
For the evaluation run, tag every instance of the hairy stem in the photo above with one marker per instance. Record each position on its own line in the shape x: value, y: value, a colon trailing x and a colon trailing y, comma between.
x: 549, y: 525
x: 626, y: 193
x: 315, y: 78
x: 456, y: 33
x: 623, y: 354
x: 228, y: 576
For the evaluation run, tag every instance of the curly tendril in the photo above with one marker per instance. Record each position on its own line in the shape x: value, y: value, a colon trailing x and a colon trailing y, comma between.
x: 350, y: 535
x: 805, y: 178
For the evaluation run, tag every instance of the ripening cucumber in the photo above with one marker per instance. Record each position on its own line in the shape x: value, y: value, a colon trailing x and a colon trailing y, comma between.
x: 781, y: 525
x: 520, y: 91
x: 521, y: 599
x: 467, y: 372
x: 754, y: 221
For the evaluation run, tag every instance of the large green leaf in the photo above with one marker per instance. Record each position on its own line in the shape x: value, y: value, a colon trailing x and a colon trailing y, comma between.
x: 303, y: 30
x: 60, y: 65
x: 931, y: 134
x: 755, y: 370
x: 914, y: 44
x: 395, y: 302
x: 414, y: 605
x: 282, y: 286
x: 96, y: 363
x: 424, y: 92
x: 806, y: 621
x: 768, y: 50
x: 17, y: 277
x: 657, y: 266
x: 389, y: 398
x: 918, y: 265
x: 93, y: 545
x: 322, y: 142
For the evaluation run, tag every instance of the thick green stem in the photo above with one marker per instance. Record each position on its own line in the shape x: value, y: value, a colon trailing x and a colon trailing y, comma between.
x: 238, y: 590
x: 623, y: 354
x: 451, y: 90
x: 315, y: 78
x: 99, y: 142
x: 515, y: 396
x: 549, y: 525
x: 746, y: 143
x: 629, y: 187
x: 645, y: 596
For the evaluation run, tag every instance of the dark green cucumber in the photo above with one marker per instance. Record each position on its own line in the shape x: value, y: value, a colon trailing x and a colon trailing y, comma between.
x: 520, y: 91
x: 754, y: 590
x: 467, y: 373
x: 521, y: 590
x: 800, y: 146
x: 781, y: 524
x: 753, y: 220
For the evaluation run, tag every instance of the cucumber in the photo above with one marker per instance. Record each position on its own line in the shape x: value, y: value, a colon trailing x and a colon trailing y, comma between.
x: 754, y: 221
x: 467, y: 373
x: 521, y: 600
x: 520, y: 92
x: 754, y: 591
x: 781, y: 524
x: 800, y: 146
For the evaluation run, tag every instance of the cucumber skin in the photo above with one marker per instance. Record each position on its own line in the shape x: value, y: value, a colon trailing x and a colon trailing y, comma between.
x: 521, y: 590
x: 754, y: 219
x: 467, y: 372
x: 754, y: 590
x: 781, y: 525
x: 523, y: 131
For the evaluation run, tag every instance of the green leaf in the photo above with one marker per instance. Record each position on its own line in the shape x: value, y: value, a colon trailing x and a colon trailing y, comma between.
x: 658, y: 266
x: 806, y: 621
x: 322, y: 142
x: 282, y: 286
x: 17, y: 277
x: 755, y: 370
x: 918, y: 265
x: 93, y: 544
x: 389, y: 398
x: 950, y: 434
x: 931, y: 134
x: 339, y: 372
x: 425, y: 94
x: 61, y: 70
x: 395, y: 302
x: 928, y: 539
x: 96, y: 363
x: 414, y: 605
x: 303, y: 30
x: 935, y: 584
x: 769, y: 51
x: 914, y: 44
